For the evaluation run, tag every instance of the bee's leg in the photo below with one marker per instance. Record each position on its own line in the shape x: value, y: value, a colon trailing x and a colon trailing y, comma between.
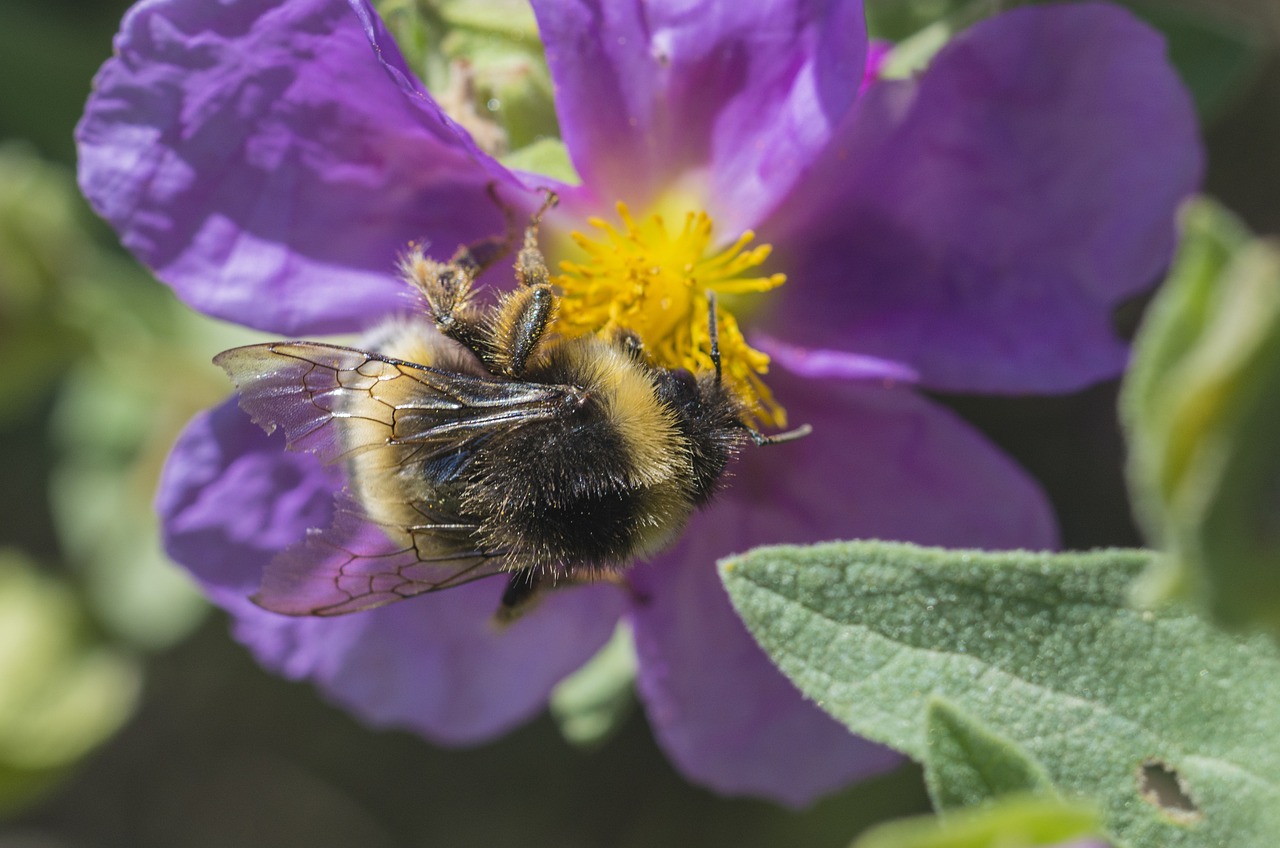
x: 524, y: 315
x: 518, y: 328
x: 448, y: 286
x: 531, y: 265
x: 521, y: 594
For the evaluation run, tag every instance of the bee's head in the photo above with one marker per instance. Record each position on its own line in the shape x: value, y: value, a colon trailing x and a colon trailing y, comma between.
x: 708, y: 415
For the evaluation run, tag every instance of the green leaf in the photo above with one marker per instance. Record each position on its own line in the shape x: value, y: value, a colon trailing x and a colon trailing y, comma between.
x: 896, y: 20
x: 1199, y: 408
x: 591, y: 704
x: 62, y: 693
x: 967, y: 763
x: 1016, y: 822
x: 112, y: 540
x: 546, y: 156
x: 43, y: 246
x: 912, y: 55
x: 112, y: 425
x: 1045, y: 652
x: 1178, y: 316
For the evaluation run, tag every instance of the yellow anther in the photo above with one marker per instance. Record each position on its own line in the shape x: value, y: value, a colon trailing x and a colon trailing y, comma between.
x: 641, y: 278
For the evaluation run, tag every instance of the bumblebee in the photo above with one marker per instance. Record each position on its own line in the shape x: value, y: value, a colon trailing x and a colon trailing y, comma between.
x: 476, y: 443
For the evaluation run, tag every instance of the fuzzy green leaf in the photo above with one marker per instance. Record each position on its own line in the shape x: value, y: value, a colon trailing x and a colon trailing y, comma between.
x: 1044, y: 651
x: 967, y: 763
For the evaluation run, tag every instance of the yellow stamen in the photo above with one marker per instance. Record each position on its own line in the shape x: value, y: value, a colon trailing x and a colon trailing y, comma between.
x: 643, y: 279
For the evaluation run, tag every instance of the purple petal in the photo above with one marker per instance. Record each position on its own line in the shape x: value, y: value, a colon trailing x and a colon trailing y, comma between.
x: 726, y: 717
x: 881, y: 463
x: 437, y: 664
x: 834, y: 364
x: 265, y: 162
x: 877, y: 54
x: 230, y: 498
x: 980, y: 223
x: 731, y: 100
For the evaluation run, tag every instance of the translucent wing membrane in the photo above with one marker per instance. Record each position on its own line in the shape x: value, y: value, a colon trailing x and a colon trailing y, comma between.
x: 355, y: 565
x: 337, y: 401
x: 404, y: 431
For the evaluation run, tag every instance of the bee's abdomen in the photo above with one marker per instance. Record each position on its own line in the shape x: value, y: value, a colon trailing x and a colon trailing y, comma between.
x: 559, y: 495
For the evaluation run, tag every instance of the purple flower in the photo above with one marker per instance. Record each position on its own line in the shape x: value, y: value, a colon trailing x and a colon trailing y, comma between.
x: 967, y: 231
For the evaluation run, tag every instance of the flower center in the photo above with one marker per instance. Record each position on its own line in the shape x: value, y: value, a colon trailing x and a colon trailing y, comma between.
x: 657, y: 284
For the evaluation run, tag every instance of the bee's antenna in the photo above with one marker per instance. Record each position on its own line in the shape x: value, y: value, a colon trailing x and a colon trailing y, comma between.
x: 756, y: 436
x: 550, y: 199
x: 478, y: 256
x: 508, y: 212
x: 714, y: 331
x: 529, y: 255
x: 531, y: 265
x: 761, y: 439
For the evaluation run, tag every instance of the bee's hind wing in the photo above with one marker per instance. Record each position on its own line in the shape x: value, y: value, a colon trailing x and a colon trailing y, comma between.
x: 355, y: 565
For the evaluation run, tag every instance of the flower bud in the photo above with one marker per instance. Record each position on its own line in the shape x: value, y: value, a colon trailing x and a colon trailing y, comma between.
x: 482, y: 61
x: 1201, y: 406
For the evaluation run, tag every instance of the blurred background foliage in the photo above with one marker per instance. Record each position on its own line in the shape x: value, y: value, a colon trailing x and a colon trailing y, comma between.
x: 129, y: 717
x: 1200, y: 405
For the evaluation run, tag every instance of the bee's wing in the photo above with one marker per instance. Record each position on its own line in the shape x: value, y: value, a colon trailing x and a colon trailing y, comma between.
x: 336, y: 402
x: 339, y: 403
x: 354, y: 565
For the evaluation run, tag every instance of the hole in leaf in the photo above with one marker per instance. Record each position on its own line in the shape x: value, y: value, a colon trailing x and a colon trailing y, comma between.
x: 1162, y: 786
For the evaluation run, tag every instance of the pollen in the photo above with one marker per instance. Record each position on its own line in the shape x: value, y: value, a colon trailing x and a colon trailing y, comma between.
x: 658, y: 284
